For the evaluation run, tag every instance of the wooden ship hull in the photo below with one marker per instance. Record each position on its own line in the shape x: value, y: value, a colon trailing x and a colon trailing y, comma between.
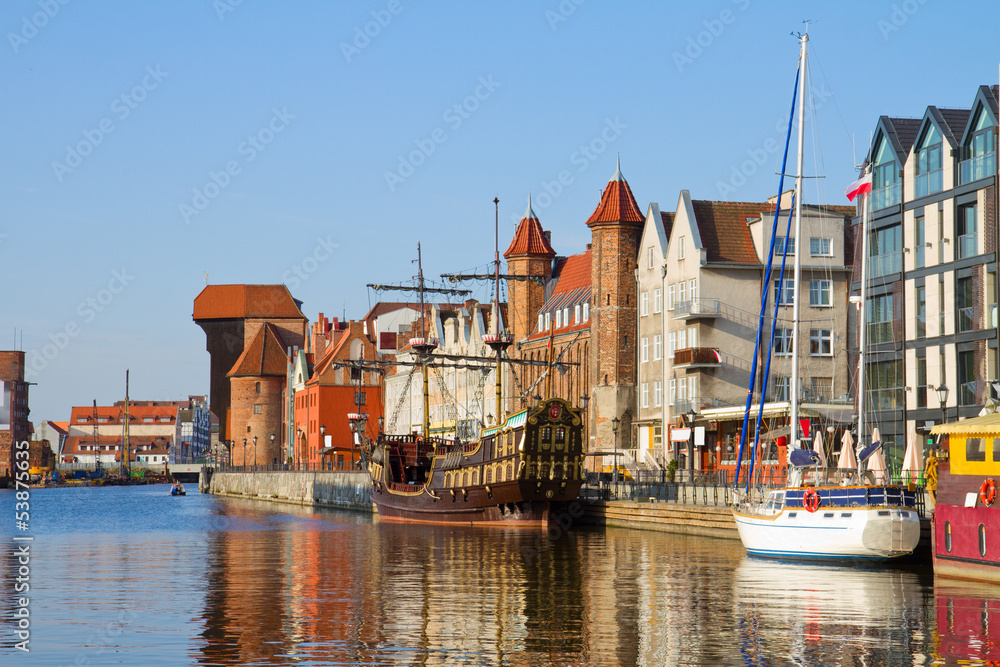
x: 524, y: 472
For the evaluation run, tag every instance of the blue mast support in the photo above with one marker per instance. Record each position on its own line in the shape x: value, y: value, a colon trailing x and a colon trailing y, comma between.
x: 774, y: 324
x: 763, y: 300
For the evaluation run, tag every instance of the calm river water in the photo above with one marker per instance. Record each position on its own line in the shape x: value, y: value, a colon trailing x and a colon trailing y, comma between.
x: 132, y: 576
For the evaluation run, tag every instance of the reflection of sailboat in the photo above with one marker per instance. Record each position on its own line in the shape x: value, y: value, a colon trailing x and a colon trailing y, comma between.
x: 519, y: 471
x: 821, y: 513
x: 808, y: 610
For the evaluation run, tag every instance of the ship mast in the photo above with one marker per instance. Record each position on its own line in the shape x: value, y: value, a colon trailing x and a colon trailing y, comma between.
x: 498, y: 339
x: 794, y: 381
x: 126, y: 468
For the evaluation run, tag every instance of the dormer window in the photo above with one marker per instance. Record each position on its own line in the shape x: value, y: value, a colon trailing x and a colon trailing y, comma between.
x: 558, y: 319
x: 929, y: 177
x: 576, y: 314
x: 541, y: 321
x: 586, y: 311
x: 979, y: 150
x: 885, y: 177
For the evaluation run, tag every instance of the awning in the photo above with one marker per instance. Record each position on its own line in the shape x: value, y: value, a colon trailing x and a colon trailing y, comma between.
x: 987, y: 425
x: 325, y: 450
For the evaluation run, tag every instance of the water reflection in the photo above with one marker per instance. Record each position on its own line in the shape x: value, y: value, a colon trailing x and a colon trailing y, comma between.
x: 968, y: 623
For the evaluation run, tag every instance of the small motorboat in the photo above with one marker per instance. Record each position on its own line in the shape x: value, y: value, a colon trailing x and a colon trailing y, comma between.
x: 178, y: 490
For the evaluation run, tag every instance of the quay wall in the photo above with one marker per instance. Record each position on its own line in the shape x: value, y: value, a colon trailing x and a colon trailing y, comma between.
x: 707, y: 520
x: 341, y: 489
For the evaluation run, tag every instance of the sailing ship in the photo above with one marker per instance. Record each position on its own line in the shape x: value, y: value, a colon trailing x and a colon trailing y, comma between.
x: 525, y: 470
x: 820, y: 513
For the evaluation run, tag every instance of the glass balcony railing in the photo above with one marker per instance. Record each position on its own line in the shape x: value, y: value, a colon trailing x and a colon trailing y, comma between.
x: 925, y: 184
x: 968, y: 245
x: 886, y: 399
x: 884, y: 264
x: 976, y: 168
x: 967, y: 393
x: 886, y: 196
x: 879, y: 332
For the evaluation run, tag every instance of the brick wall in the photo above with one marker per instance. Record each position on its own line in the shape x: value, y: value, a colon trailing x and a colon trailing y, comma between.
x: 524, y: 298
x: 15, y: 414
x: 269, y: 420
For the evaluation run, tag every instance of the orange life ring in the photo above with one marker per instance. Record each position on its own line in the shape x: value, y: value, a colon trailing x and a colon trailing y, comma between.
x: 988, y: 492
x: 810, y: 500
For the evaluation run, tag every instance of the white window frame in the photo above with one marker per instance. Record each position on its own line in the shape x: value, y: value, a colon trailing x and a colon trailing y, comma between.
x: 692, y: 289
x: 644, y: 391
x: 657, y: 299
x: 824, y: 337
x: 671, y: 391
x: 645, y: 349
x: 644, y: 303
x: 586, y: 311
x: 558, y: 319
x: 785, y: 296
x: 671, y: 294
x: 657, y: 393
x: 682, y: 291
x: 671, y: 344
x: 693, y: 336
x: 649, y: 258
x: 576, y: 314
x: 782, y: 342
x: 657, y: 347
x: 816, y: 244
x: 682, y: 336
x: 541, y: 321
x: 680, y: 247
x: 692, y: 387
x: 824, y: 287
x: 784, y: 245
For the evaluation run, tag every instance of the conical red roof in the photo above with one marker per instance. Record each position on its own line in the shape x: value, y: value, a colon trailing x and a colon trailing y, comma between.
x: 529, y: 239
x: 617, y: 203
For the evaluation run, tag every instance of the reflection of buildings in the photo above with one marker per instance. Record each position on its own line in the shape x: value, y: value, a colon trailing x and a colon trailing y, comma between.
x: 968, y: 615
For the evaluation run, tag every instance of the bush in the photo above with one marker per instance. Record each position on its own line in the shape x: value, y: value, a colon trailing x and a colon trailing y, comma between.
x: 671, y: 470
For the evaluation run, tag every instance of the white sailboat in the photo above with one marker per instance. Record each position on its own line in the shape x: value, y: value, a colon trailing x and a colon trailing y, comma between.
x: 823, y: 513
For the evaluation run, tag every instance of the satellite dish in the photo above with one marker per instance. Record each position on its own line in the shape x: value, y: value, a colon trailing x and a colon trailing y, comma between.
x: 869, y: 450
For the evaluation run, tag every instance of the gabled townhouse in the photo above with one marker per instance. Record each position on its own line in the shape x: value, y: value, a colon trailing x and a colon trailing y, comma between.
x: 931, y: 306
x: 709, y: 280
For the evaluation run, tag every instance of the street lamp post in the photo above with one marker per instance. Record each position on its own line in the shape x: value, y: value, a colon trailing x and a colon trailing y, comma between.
x: 942, y: 393
x: 255, y: 452
x: 244, y: 454
x: 691, y: 414
x: 614, y: 431
x: 272, y: 447
x: 322, y: 445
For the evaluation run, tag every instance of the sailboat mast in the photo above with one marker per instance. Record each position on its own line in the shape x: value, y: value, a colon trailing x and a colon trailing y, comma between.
x: 126, y: 468
x: 793, y: 389
x: 496, y: 301
x: 423, y: 334
x: 863, y: 336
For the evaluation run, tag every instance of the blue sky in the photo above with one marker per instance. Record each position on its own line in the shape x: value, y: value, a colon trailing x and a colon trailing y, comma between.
x: 315, y: 143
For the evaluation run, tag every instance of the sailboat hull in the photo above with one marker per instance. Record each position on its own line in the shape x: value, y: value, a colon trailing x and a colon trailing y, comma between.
x: 835, y: 533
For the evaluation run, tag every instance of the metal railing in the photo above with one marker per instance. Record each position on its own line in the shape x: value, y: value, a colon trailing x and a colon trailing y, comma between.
x: 343, y: 466
x: 885, y: 263
x: 927, y: 183
x: 976, y: 168
x: 696, y: 307
x: 886, y: 196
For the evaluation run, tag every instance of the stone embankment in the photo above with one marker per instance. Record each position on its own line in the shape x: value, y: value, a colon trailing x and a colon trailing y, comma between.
x: 341, y: 489
x: 705, y: 520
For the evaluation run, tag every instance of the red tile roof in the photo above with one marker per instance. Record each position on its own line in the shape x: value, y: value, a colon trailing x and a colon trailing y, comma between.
x: 223, y: 302
x: 529, y: 239
x: 617, y: 203
x: 668, y: 222
x: 572, y: 278
x: 114, y: 414
x: 264, y: 356
x: 724, y: 231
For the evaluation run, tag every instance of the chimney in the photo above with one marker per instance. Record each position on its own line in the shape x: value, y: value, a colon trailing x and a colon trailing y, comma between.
x: 548, y: 236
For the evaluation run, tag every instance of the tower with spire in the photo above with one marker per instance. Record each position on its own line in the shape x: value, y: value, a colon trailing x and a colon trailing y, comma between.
x: 530, y: 253
x: 616, y: 229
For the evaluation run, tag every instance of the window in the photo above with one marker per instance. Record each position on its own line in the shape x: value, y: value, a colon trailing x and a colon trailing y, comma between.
x: 671, y: 344
x: 692, y: 382
x: 921, y: 382
x: 782, y: 341
x: 784, y: 246
x: 671, y: 391
x: 548, y: 321
x: 967, y: 238
x: 821, y: 342
x: 258, y: 387
x: 919, y: 242
x: 657, y: 394
x: 576, y: 314
x: 257, y: 408
x: 649, y: 258
x: 980, y: 150
x: 885, y: 178
x: 645, y: 394
x: 645, y: 349
x: 681, y: 292
x: 670, y: 297
x: 820, y: 247
x: 644, y: 301
x: 885, y: 385
x: 967, y: 383
x: 784, y: 292
x: 558, y: 319
x: 566, y: 316
x: 360, y: 398
x: 975, y: 449
x: 657, y: 299
x: 586, y: 311
x: 693, y: 290
x: 929, y: 175
x: 780, y: 392
x: 682, y: 391
x: 964, y: 305
x: 680, y: 247
x: 682, y: 341
x: 820, y: 293
x: 657, y: 347
x: 879, y: 318
x: 920, y: 321
x: 541, y: 321
x: 692, y: 336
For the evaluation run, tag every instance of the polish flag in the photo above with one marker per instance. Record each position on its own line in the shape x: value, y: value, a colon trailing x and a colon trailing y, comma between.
x: 858, y: 187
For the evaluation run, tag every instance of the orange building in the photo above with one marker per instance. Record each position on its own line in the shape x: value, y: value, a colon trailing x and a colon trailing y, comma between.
x: 334, y: 391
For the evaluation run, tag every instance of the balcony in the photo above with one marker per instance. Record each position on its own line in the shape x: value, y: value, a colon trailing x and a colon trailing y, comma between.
x: 697, y: 357
x: 885, y: 264
x: 886, y: 399
x: 977, y: 168
x: 696, y: 309
x: 968, y: 245
x: 966, y: 319
x: 929, y: 183
x: 886, y: 196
